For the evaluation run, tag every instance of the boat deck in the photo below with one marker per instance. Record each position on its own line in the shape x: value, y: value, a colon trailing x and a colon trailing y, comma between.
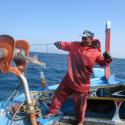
x: 93, y: 121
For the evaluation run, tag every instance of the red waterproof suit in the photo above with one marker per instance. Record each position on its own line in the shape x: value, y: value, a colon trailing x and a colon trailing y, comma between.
x: 81, y: 60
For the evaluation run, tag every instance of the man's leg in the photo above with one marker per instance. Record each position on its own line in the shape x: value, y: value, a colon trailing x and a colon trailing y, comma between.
x: 60, y: 96
x: 80, y: 100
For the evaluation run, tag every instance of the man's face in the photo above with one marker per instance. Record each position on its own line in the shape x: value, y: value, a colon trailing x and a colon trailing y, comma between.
x: 87, y: 41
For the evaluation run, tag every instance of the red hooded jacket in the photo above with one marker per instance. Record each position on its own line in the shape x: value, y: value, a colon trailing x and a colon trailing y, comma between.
x: 81, y: 60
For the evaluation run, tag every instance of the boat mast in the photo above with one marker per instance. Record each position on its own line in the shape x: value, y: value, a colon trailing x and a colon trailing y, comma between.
x: 107, y: 45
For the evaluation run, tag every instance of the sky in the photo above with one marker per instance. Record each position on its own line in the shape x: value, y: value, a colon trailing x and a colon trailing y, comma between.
x: 48, y: 21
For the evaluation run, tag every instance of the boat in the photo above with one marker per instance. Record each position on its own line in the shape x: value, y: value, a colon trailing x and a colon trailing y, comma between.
x: 106, y: 100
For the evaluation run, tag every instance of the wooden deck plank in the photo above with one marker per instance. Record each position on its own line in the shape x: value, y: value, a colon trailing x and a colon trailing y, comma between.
x: 94, y: 121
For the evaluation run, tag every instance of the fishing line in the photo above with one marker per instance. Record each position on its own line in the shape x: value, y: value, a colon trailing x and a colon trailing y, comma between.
x: 36, y: 44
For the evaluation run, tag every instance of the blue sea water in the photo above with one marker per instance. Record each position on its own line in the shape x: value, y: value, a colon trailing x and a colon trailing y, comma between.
x: 54, y: 73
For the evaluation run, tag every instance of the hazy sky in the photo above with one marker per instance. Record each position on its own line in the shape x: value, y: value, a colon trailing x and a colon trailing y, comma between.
x: 47, y: 21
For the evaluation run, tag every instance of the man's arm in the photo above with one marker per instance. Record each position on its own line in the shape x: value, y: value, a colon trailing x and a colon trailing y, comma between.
x: 104, y: 59
x: 67, y: 46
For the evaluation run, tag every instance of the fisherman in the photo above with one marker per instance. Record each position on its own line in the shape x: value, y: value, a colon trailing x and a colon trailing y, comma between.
x: 82, y: 57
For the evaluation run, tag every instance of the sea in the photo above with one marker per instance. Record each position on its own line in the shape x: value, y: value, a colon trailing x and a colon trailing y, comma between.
x: 56, y: 67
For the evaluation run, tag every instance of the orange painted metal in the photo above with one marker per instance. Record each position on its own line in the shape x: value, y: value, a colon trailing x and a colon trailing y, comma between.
x: 7, y: 43
x: 15, y: 70
x: 24, y: 46
x: 7, y: 46
x: 33, y: 119
x: 107, y: 44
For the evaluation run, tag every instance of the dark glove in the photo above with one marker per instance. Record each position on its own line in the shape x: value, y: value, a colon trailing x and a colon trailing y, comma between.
x: 107, y: 57
x: 57, y: 44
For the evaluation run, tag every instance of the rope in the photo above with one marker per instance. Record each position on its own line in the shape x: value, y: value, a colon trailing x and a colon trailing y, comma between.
x: 23, y: 110
x: 15, y: 116
x: 9, y: 110
x: 44, y: 95
x: 15, y: 92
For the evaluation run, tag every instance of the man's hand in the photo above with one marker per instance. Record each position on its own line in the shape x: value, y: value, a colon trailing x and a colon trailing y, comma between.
x: 57, y: 44
x: 107, y: 57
